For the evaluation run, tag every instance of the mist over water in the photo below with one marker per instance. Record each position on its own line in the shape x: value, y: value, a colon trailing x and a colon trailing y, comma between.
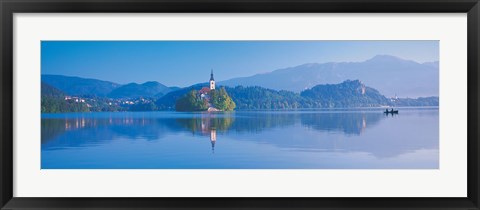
x: 309, y: 139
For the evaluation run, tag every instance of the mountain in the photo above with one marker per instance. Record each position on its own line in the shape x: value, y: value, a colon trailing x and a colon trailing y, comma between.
x: 79, y: 86
x: 134, y: 90
x: 53, y: 101
x: 388, y: 74
x: 48, y: 90
x: 346, y: 94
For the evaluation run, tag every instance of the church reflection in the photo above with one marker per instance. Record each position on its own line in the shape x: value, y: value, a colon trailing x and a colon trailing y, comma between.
x: 207, y: 125
x: 213, y: 138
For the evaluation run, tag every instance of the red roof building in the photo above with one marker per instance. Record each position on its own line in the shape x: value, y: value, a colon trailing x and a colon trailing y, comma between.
x: 204, y: 90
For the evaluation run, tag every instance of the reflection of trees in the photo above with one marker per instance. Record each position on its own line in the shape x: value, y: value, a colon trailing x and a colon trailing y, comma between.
x: 78, y: 131
x: 245, y: 122
x: 348, y: 123
x: 146, y: 128
x: 74, y: 131
x: 52, y: 128
x: 205, y: 123
x: 255, y: 122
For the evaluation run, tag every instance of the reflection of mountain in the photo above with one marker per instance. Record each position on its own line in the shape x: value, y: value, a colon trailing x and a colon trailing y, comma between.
x: 348, y: 123
x: 348, y: 132
x: 256, y: 122
x: 60, y: 131
x: 310, y: 130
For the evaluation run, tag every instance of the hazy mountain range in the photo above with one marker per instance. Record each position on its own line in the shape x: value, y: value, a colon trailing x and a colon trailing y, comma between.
x: 388, y: 74
x: 79, y: 86
x: 134, y: 90
x: 92, y: 87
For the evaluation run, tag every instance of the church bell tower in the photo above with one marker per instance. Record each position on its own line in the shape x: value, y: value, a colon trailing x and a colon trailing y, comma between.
x: 212, y: 81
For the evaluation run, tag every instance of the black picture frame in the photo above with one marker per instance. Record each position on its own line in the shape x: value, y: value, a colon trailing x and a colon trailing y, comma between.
x: 9, y: 7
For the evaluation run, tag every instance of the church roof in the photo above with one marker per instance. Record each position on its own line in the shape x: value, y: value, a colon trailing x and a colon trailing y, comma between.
x: 204, y: 90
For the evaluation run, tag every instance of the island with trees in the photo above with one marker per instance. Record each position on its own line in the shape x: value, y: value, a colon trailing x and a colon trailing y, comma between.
x: 206, y: 99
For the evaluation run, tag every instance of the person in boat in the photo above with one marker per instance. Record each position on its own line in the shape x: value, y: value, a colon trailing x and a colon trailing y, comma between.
x: 392, y: 110
x: 386, y: 110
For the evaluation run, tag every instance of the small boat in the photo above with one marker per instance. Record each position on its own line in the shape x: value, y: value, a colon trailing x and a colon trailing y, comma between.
x: 391, y: 112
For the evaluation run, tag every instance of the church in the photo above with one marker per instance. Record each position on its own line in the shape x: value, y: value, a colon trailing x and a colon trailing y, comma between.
x: 205, y: 90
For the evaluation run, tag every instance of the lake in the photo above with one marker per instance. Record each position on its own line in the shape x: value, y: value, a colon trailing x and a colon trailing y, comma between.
x: 307, y: 139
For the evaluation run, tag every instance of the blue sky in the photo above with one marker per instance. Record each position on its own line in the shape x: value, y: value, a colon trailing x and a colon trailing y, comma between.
x: 183, y: 63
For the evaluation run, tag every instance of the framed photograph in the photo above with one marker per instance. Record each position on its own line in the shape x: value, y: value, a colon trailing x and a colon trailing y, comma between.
x: 239, y: 105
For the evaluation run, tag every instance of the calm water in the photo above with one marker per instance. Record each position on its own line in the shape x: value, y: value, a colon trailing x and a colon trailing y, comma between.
x: 328, y: 139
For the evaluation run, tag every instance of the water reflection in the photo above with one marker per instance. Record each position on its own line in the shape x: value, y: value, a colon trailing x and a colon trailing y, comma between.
x: 206, y: 125
x: 154, y: 127
x: 342, y: 132
x: 348, y: 123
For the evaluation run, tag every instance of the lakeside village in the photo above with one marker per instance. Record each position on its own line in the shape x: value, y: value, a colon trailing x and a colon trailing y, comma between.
x: 95, y: 104
x: 111, y: 102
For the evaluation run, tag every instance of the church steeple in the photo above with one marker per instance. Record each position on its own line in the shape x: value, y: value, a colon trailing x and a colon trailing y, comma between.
x: 212, y: 81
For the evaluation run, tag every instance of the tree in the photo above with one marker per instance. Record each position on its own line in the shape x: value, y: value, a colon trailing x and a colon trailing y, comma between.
x: 191, y: 102
x: 221, y: 100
